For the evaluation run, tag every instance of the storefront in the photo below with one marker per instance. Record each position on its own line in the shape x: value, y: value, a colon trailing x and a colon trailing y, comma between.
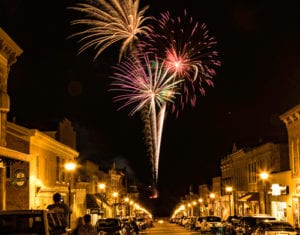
x: 278, y: 198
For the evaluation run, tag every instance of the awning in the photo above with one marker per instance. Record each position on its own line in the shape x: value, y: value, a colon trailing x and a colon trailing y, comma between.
x: 249, y: 197
x: 94, y: 201
x: 101, y: 197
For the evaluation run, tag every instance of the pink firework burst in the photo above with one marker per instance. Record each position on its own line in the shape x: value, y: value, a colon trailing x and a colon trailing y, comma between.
x: 188, y: 50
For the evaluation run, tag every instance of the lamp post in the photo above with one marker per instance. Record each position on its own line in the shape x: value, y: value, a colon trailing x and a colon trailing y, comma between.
x: 189, y: 209
x: 70, y: 167
x: 130, y: 207
x: 194, y: 203
x: 212, y: 197
x: 229, y: 191
x: 200, y: 200
x: 127, y: 206
x: 264, y: 176
x: 115, y: 195
x: 102, y: 188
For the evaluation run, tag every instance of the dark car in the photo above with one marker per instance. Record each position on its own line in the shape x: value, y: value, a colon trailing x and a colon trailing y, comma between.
x: 32, y: 222
x: 248, y: 223
x: 274, y: 227
x: 110, y: 226
x: 141, y: 222
x: 231, y: 223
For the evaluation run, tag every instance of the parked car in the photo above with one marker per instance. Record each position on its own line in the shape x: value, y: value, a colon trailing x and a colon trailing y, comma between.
x: 141, y: 222
x: 183, y: 221
x: 191, y: 223
x: 32, y: 222
x: 211, y: 223
x: 274, y: 228
x: 248, y: 223
x: 198, y: 222
x: 110, y: 226
x: 231, y: 223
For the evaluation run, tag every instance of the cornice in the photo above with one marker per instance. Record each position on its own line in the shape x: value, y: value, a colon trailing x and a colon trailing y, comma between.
x: 9, y: 48
x: 14, y: 154
x: 291, y: 116
x: 40, y: 139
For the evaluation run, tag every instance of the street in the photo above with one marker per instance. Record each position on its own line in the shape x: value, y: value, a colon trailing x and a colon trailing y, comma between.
x: 167, y: 228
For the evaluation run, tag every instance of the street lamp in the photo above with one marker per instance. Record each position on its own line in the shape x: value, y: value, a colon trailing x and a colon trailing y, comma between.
x: 115, y: 195
x: 264, y: 176
x: 130, y: 207
x: 194, y: 203
x: 189, y: 209
x: 70, y: 167
x: 200, y: 200
x: 102, y: 189
x: 229, y: 191
x: 127, y: 206
x: 212, y: 197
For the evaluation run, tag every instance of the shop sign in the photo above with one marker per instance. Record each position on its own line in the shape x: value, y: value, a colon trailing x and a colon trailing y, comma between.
x: 95, y: 211
x: 278, y: 190
x: 20, y: 178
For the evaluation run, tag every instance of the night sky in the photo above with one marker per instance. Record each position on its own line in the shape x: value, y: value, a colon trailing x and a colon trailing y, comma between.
x: 258, y: 43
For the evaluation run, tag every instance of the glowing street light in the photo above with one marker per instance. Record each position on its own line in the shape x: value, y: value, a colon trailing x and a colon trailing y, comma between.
x: 127, y: 206
x: 264, y: 177
x: 115, y: 195
x: 102, y: 187
x: 194, y: 203
x: 200, y: 200
x: 70, y: 167
x: 212, y: 196
x: 131, y: 203
x: 229, y: 190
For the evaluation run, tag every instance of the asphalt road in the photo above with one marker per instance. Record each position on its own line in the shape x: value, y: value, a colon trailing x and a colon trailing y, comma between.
x: 167, y: 228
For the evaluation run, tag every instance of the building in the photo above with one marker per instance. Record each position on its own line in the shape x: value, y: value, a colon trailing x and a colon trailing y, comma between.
x: 9, y: 51
x: 292, y: 123
x: 241, y: 170
x: 33, y: 164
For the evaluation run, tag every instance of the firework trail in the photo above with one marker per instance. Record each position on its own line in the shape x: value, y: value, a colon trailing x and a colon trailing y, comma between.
x: 108, y: 22
x: 188, y: 50
x: 189, y: 54
x: 142, y: 82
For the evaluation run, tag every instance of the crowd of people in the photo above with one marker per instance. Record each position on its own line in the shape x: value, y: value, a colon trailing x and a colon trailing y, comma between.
x: 84, y: 224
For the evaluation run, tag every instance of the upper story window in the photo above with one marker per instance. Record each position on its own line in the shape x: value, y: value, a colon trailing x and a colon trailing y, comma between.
x: 252, y: 172
x: 57, y: 170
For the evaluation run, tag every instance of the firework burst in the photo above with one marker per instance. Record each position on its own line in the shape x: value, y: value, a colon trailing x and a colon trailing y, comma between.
x: 188, y: 50
x: 171, y: 66
x: 140, y: 83
x: 108, y: 22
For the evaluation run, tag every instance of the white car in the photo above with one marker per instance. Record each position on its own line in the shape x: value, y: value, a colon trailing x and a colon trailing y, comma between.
x: 211, y: 222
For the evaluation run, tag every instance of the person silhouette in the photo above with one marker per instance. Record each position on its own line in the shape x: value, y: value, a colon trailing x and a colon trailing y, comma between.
x: 80, y: 223
x: 60, y: 208
x: 87, y: 228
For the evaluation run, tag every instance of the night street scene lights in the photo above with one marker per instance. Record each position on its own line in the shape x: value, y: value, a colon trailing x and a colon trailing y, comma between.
x: 70, y: 168
x: 264, y: 177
